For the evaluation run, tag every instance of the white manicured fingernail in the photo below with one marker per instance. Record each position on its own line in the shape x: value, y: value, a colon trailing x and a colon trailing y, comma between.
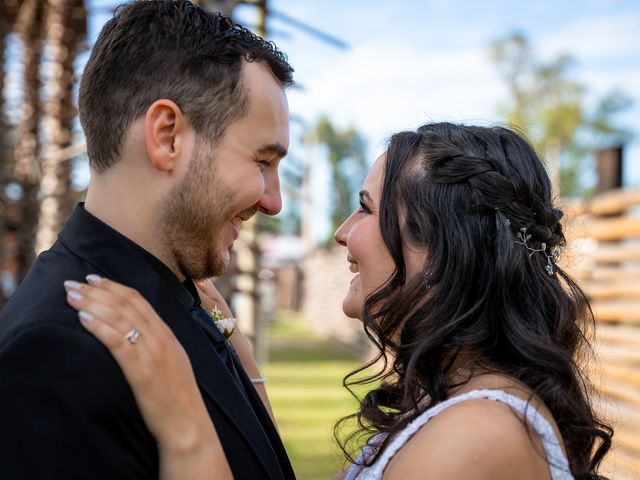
x: 85, y: 316
x: 71, y: 285
x: 93, y: 279
x: 73, y: 295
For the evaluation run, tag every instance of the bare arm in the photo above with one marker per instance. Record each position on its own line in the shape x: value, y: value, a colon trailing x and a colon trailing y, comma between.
x: 210, y: 297
x: 160, y: 375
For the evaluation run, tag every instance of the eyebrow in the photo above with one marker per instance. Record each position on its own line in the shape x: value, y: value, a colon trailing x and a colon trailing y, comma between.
x: 274, y: 149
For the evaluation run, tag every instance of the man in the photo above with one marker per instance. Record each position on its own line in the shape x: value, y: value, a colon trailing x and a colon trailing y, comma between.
x: 186, y: 120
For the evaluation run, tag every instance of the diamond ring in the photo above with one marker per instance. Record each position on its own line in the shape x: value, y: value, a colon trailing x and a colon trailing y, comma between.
x: 132, y: 336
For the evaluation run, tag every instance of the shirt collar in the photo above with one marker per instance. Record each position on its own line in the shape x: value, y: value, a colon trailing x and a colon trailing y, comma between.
x: 88, y: 235
x: 186, y: 291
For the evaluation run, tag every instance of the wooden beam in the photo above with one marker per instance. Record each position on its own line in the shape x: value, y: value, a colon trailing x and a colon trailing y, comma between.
x: 609, y: 228
x: 623, y: 286
x: 606, y: 203
x: 627, y: 311
x: 613, y: 274
x: 620, y: 253
x: 615, y: 201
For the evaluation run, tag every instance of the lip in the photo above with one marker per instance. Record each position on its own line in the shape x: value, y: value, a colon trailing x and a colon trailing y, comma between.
x: 353, y: 265
x: 234, y: 230
x: 238, y: 220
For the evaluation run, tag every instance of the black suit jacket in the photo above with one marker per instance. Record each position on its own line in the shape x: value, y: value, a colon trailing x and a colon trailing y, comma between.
x: 66, y: 410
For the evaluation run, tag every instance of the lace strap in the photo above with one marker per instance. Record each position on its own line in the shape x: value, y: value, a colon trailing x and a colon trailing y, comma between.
x: 558, y: 464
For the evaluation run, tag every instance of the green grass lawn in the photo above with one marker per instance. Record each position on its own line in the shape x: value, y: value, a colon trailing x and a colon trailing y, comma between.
x: 305, y: 374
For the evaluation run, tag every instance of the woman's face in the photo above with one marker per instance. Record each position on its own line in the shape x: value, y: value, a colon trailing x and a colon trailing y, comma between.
x: 367, y: 254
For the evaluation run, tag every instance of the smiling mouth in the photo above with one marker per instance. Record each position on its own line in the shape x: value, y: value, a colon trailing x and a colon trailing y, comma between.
x: 242, y: 217
x: 353, y: 266
x: 239, y: 219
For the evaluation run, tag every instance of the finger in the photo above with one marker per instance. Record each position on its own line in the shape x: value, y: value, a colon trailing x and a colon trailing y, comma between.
x: 132, y: 359
x: 107, y: 334
x: 126, y: 295
x: 210, y: 298
x: 118, y: 310
x: 207, y: 287
x: 112, y: 328
x: 103, y: 305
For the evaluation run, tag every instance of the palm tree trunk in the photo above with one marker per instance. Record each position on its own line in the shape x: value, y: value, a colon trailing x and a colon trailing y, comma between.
x: 57, y: 67
x: 27, y: 167
x: 5, y: 28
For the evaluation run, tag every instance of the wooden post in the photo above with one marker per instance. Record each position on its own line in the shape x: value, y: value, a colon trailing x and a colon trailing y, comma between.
x: 65, y: 25
x: 248, y: 259
x: 5, y: 28
x: 225, y: 7
x: 29, y: 25
x: 609, y: 168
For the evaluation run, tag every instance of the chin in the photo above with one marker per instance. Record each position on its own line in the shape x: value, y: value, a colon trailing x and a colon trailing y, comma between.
x: 351, y: 310
x: 217, y: 261
x: 214, y: 266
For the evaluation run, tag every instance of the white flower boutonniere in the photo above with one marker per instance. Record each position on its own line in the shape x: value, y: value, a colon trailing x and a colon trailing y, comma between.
x: 226, y: 325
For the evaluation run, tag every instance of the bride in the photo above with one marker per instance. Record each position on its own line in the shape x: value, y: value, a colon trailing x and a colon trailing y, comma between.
x: 454, y: 246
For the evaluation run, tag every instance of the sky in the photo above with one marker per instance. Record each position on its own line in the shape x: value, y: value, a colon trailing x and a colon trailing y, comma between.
x: 414, y: 61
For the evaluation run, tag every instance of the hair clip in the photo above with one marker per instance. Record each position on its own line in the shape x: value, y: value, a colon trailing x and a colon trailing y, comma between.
x: 523, y: 239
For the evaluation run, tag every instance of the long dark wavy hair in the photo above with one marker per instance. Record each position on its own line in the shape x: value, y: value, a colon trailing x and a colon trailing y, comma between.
x: 465, y: 193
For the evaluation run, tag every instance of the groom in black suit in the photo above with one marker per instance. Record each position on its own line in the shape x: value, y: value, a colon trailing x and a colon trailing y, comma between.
x: 186, y: 120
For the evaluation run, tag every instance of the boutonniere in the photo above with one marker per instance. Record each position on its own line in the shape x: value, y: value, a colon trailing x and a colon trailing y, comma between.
x: 226, y: 325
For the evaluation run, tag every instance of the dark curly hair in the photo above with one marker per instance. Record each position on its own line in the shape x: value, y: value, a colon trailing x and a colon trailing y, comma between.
x: 465, y: 193
x: 154, y: 49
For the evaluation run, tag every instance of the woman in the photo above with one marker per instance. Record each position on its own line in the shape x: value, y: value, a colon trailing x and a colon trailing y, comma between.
x: 454, y: 245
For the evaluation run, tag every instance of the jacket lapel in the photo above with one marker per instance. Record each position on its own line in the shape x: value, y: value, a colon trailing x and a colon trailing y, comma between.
x: 217, y: 383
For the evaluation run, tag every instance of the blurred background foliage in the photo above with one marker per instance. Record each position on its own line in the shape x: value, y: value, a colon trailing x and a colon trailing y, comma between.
x: 547, y: 102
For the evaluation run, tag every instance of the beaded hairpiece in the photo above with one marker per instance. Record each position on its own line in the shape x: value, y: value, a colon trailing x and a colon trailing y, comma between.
x: 522, y: 238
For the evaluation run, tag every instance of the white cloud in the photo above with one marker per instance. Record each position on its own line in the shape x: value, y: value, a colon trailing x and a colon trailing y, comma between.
x: 596, y: 38
x: 382, y: 88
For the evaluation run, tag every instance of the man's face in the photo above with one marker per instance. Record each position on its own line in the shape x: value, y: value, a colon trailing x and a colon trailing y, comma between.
x: 228, y: 182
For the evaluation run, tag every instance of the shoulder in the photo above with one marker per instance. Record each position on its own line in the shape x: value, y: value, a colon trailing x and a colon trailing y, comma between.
x: 474, y: 439
x: 62, y: 392
x: 41, y: 298
x: 47, y: 361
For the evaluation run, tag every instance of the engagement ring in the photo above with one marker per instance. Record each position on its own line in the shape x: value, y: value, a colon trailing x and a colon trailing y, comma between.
x: 132, y: 336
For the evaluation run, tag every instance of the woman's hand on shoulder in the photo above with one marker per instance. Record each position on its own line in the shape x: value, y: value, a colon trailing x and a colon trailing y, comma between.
x: 474, y: 440
x: 159, y: 373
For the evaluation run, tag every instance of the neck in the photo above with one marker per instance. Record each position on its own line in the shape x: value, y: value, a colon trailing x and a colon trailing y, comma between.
x: 131, y: 210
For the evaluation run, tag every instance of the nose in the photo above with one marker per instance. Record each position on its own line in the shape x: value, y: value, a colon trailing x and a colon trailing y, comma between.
x: 270, y: 202
x: 342, y: 232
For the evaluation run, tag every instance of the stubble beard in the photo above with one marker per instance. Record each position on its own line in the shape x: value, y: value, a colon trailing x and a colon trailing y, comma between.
x: 192, y: 219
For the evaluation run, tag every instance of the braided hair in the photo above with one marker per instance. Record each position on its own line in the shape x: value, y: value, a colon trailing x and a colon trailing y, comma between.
x: 464, y: 193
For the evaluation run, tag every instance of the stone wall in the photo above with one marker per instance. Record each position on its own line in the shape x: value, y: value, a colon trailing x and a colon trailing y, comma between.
x: 326, y: 281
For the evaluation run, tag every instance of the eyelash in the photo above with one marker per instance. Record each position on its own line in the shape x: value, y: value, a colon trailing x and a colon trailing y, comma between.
x: 264, y: 163
x: 364, y: 208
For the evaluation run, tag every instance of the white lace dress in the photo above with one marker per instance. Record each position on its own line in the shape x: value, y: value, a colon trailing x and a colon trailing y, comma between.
x: 558, y: 464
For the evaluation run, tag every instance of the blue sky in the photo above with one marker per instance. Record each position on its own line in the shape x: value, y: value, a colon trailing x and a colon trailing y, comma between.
x: 412, y: 61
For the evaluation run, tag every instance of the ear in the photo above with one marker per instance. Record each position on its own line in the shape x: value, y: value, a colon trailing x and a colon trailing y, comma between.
x: 166, y: 133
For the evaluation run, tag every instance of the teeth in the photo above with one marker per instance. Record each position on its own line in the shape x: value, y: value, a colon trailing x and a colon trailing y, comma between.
x: 353, y: 267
